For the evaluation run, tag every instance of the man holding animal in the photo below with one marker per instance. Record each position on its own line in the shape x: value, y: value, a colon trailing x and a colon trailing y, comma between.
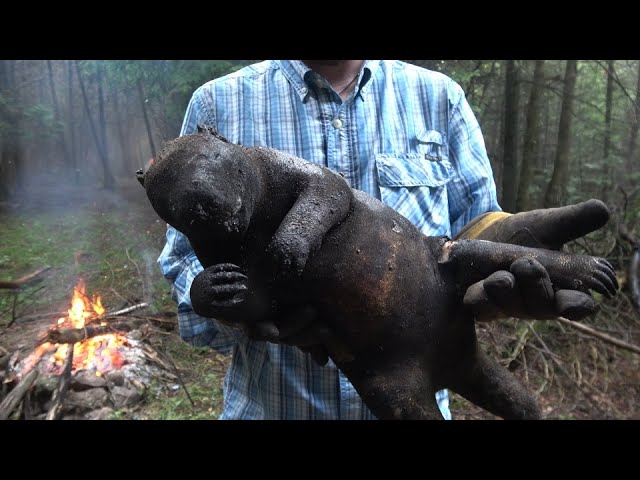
x: 402, y: 134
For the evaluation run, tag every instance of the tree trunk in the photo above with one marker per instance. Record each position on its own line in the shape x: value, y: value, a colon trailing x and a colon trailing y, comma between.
x: 530, y: 150
x: 61, y: 142
x: 606, y: 180
x: 557, y: 189
x: 122, y: 138
x: 510, y: 138
x: 72, y: 160
x: 11, y: 168
x: 485, y: 87
x: 109, y: 181
x: 4, y: 157
x: 146, y: 118
x: 635, y: 124
x: 469, y: 88
x: 20, y: 147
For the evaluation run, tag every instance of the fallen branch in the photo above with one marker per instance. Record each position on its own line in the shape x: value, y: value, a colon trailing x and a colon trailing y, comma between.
x: 74, y: 335
x: 61, y: 392
x: 15, y: 396
x: 602, y: 336
x: 125, y: 310
x: 23, y: 281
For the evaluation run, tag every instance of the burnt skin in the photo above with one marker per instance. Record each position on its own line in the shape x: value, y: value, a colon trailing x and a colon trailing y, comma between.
x: 275, y: 233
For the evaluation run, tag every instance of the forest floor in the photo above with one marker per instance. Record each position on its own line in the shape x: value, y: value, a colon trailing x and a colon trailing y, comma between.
x: 112, y: 240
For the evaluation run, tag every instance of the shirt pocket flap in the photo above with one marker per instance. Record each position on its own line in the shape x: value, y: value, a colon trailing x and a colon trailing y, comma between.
x: 433, y: 144
x: 431, y: 136
x: 411, y: 170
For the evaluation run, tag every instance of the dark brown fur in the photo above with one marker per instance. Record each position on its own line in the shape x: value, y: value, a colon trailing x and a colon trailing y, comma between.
x: 391, y: 295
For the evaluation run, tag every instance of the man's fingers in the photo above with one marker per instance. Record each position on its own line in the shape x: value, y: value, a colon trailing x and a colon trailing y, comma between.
x: 525, y: 292
x: 543, y: 228
x: 494, y: 297
x: 575, y: 221
x: 501, y: 288
x: 575, y: 305
x: 553, y: 227
x: 535, y: 288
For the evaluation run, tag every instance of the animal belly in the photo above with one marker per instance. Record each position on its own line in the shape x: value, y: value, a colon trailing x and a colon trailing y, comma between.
x: 378, y: 286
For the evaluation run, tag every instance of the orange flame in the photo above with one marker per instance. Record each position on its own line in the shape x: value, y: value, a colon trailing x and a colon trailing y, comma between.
x: 100, y: 353
x: 79, y: 312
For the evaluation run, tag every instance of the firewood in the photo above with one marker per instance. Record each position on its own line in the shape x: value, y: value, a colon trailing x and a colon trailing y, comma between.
x: 59, y: 395
x: 73, y: 335
x: 15, y: 396
x: 23, y: 281
x: 124, y: 311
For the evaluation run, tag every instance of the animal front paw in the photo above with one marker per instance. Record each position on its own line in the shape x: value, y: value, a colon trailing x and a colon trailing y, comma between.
x: 584, y: 273
x: 597, y: 275
x: 218, y: 287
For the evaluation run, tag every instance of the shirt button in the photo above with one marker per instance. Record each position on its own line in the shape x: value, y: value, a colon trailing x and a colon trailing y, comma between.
x: 303, y: 90
x: 337, y: 123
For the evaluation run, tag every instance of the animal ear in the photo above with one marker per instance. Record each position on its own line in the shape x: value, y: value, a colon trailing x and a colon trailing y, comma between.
x: 202, y: 128
x: 211, y: 130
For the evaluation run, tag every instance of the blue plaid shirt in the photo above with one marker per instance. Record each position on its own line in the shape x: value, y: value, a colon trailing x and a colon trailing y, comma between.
x: 406, y: 136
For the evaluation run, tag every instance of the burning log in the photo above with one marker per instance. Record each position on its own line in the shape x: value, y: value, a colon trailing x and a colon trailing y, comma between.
x: 74, y: 335
x: 15, y: 396
x: 23, y: 281
x: 61, y: 392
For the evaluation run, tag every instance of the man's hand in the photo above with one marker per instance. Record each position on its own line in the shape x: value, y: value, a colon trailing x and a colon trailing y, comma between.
x: 526, y: 290
x: 298, y: 327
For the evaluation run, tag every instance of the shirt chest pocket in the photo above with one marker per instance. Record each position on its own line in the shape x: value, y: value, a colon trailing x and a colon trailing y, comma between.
x: 415, y: 184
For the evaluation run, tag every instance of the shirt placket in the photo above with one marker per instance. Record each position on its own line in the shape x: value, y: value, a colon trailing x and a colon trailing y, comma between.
x: 338, y: 160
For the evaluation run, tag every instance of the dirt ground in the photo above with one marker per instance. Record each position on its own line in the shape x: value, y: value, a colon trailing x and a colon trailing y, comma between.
x: 573, y: 375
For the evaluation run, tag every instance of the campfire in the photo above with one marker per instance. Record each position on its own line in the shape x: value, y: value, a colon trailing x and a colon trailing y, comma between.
x: 85, y: 365
x: 98, y: 354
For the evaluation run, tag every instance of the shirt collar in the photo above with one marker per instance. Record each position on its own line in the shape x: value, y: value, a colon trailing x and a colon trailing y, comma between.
x: 300, y: 76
